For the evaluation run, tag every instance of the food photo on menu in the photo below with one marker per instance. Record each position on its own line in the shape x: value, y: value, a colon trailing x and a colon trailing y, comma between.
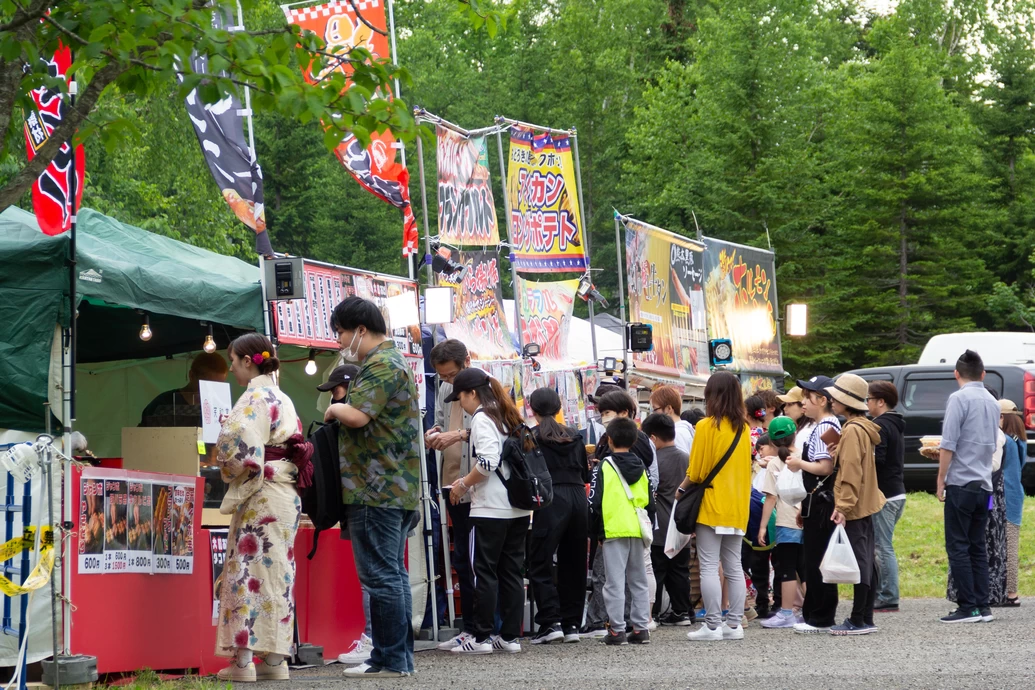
x: 160, y: 511
x: 115, y: 515
x: 139, y: 516
x: 91, y: 517
x: 182, y: 523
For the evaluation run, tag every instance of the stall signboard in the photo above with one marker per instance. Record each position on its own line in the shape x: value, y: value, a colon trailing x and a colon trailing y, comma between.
x: 216, y: 403
x: 545, y: 221
x: 466, y: 210
x: 129, y: 524
x: 479, y: 320
x: 740, y: 294
x: 665, y: 273
x: 307, y: 322
x: 545, y: 310
x: 217, y: 539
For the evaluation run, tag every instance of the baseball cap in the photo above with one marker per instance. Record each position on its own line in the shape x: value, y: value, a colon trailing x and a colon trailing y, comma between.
x: 782, y: 427
x: 817, y: 384
x: 467, y: 380
x: 794, y: 395
x: 1008, y: 407
x: 341, y: 376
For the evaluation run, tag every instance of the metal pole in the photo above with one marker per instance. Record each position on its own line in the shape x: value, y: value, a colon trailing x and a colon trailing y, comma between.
x: 510, y: 238
x: 538, y: 128
x: 621, y: 297
x: 585, y: 235
x: 48, y: 466
x: 424, y: 212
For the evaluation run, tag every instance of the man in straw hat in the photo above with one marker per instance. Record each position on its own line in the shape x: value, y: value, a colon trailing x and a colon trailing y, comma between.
x: 856, y: 494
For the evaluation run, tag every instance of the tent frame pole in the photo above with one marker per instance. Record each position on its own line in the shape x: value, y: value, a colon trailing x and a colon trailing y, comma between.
x: 510, y: 239
x: 621, y: 299
x: 585, y: 236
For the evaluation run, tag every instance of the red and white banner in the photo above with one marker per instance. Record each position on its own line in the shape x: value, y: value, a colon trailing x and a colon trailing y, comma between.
x: 52, y: 190
x: 377, y: 167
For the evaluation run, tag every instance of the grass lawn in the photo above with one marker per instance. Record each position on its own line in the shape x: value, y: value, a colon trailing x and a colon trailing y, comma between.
x: 920, y: 545
x: 149, y: 680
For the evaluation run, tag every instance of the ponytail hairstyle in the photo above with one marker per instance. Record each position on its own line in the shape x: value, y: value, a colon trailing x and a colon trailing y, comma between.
x: 756, y: 408
x: 258, y: 349
x: 546, y: 404
x: 496, y: 403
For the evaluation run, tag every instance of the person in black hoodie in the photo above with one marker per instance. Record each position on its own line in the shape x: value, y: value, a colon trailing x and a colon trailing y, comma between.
x: 561, y: 527
x: 890, y: 454
x: 619, y: 488
x: 616, y: 404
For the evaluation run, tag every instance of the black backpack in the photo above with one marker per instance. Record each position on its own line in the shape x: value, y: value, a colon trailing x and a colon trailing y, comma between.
x: 322, y: 500
x: 530, y: 486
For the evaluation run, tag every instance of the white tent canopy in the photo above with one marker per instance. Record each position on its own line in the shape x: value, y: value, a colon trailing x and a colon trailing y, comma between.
x: 580, y: 343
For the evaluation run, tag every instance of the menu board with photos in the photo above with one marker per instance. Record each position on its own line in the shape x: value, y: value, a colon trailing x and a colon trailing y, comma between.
x: 128, y: 524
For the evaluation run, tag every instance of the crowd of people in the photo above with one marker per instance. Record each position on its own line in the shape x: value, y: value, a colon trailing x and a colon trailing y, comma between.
x: 782, y: 473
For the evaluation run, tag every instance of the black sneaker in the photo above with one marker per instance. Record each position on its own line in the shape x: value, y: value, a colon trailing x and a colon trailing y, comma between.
x: 963, y: 616
x: 881, y: 607
x: 616, y: 638
x: 571, y: 633
x: 680, y: 619
x: 548, y: 634
x: 594, y: 630
x: 986, y: 615
x: 639, y: 637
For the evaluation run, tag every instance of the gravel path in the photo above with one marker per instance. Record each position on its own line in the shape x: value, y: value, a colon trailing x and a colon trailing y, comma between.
x: 911, y: 650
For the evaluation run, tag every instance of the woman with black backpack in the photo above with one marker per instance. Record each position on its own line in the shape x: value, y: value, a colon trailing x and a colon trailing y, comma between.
x: 561, y: 527
x: 499, y: 530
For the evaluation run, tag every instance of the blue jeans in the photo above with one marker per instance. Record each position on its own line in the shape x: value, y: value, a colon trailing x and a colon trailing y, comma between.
x: 887, y: 564
x: 966, y: 517
x: 378, y: 547
x: 366, y: 610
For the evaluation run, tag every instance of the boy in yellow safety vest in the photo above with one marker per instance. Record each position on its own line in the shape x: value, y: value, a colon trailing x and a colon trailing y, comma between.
x: 619, y: 491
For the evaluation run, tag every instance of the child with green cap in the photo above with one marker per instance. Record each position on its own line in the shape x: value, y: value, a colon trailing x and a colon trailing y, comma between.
x: 776, y: 446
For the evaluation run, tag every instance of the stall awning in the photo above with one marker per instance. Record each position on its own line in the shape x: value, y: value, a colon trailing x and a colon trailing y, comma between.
x: 120, y: 269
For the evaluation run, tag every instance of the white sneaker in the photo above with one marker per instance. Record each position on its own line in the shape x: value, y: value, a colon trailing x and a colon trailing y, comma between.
x: 804, y: 628
x: 359, y: 652
x: 472, y: 646
x: 780, y: 621
x: 368, y: 671
x: 448, y: 645
x: 706, y: 634
x: 653, y: 625
x: 501, y: 645
x: 729, y: 633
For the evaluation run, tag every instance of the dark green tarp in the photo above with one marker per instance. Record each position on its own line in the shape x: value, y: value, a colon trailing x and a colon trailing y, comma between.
x: 120, y: 269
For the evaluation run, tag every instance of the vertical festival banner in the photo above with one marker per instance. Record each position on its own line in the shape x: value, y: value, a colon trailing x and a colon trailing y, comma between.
x: 665, y: 273
x: 545, y: 310
x: 376, y: 167
x: 220, y: 130
x: 479, y: 320
x: 740, y: 292
x: 52, y: 190
x: 545, y: 221
x: 466, y: 211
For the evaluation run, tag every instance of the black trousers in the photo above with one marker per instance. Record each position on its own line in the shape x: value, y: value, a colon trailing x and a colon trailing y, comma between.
x: 460, y: 515
x: 499, y: 564
x: 756, y: 564
x: 674, y: 575
x: 561, y: 528
x: 966, y: 519
x: 860, y: 534
x: 820, y: 607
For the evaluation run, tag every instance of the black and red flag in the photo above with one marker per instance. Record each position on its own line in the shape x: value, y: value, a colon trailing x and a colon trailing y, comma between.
x: 52, y: 190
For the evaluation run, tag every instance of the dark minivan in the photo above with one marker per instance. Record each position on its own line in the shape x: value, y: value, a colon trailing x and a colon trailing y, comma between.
x: 923, y: 392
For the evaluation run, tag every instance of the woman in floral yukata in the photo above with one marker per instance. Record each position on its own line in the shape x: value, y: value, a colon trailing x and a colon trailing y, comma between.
x: 263, y: 457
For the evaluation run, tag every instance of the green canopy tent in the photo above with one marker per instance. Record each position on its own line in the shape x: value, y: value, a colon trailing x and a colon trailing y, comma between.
x: 123, y: 272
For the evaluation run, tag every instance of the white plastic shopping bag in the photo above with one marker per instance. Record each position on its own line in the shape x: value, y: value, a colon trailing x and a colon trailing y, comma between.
x: 790, y: 486
x: 675, y: 541
x: 839, y: 565
x: 758, y: 481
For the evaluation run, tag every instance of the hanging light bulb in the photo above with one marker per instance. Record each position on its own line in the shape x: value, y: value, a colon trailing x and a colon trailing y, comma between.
x: 310, y: 367
x: 210, y: 343
x: 145, y: 330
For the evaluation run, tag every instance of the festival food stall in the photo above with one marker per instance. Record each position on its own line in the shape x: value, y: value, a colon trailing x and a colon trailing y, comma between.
x: 146, y: 531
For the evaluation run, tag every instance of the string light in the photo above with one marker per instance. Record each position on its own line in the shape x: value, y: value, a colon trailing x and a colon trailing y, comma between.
x: 310, y: 367
x: 210, y: 343
x: 145, y: 329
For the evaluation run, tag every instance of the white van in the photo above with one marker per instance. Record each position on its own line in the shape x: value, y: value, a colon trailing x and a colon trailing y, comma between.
x: 994, y: 348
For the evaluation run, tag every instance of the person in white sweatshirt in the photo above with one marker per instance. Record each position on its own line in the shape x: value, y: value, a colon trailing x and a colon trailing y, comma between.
x: 498, y: 530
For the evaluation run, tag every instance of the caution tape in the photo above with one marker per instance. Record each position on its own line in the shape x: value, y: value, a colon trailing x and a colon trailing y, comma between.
x: 15, y: 546
x: 40, y: 575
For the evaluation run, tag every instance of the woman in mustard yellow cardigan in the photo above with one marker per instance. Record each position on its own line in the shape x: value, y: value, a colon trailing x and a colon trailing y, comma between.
x: 725, y: 506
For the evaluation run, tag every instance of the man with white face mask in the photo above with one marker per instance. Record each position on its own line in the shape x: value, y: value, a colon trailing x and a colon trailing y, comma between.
x: 380, y: 477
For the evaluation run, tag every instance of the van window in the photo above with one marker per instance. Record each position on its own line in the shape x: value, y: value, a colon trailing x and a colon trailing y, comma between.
x: 877, y: 376
x: 928, y: 393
